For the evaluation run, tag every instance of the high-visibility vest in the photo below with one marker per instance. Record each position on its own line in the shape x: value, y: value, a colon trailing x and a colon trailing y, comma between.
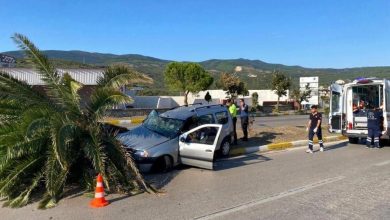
x: 233, y: 110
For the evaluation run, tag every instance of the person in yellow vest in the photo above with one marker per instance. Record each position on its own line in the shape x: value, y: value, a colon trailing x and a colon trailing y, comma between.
x: 233, y: 112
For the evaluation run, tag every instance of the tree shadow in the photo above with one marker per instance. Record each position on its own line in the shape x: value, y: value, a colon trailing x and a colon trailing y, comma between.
x: 230, y: 163
x: 160, y: 179
x: 262, y: 138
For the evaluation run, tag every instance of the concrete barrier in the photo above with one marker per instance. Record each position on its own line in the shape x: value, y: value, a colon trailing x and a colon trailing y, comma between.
x: 125, y: 122
x: 280, y: 146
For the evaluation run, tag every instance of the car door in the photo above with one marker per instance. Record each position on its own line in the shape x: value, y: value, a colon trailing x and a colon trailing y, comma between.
x: 197, y: 146
x: 386, y: 107
x: 335, y: 108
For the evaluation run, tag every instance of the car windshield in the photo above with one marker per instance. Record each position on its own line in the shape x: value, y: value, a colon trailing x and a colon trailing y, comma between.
x: 167, y: 127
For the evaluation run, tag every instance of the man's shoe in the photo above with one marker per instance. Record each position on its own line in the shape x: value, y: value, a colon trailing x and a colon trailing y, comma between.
x: 309, y: 151
x: 322, y: 149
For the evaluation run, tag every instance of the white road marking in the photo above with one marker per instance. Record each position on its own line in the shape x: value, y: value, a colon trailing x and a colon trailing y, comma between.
x: 271, y: 198
x: 382, y: 163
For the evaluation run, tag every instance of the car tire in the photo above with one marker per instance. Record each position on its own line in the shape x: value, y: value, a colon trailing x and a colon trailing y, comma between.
x: 163, y: 164
x: 225, y: 148
x: 168, y: 164
x: 353, y: 140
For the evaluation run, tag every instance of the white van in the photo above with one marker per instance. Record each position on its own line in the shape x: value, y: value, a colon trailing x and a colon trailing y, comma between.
x: 342, y: 119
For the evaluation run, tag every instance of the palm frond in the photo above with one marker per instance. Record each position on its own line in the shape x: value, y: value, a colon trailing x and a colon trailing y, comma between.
x: 23, y: 198
x: 16, y: 174
x: 119, y: 75
x: 58, y: 93
x: 55, y: 178
x: 21, y: 92
x: 94, y: 151
x: 107, y: 98
x: 41, y: 62
x: 21, y: 149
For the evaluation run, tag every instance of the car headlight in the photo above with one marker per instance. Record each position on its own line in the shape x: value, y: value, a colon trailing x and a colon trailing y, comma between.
x: 142, y: 153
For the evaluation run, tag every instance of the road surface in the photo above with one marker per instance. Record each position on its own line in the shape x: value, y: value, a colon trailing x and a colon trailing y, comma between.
x: 344, y: 182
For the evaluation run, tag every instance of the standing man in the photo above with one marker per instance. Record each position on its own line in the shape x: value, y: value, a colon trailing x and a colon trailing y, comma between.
x: 314, y: 128
x: 374, y: 127
x: 233, y: 112
x: 244, y: 116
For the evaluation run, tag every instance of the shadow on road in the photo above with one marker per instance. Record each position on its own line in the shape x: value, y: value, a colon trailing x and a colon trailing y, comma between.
x: 336, y: 146
x: 262, y: 138
x: 159, y: 180
x: 239, y: 161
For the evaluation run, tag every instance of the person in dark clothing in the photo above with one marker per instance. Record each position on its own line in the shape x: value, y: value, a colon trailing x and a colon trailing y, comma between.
x: 314, y: 128
x: 374, y: 127
x: 244, y: 116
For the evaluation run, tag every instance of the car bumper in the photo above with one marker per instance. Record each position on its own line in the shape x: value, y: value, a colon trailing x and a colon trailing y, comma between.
x: 145, y: 164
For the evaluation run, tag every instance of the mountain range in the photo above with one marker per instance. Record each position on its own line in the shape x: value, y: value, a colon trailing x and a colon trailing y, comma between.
x: 255, y: 73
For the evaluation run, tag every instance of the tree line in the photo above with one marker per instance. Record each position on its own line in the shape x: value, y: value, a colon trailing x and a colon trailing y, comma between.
x: 191, y: 77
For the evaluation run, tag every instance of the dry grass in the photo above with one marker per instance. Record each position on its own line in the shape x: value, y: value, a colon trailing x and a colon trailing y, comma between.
x: 267, y: 135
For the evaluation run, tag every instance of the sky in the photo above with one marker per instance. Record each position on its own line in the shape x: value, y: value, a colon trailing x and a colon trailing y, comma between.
x: 309, y: 33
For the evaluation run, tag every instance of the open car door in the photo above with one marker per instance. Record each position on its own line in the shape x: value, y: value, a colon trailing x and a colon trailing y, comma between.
x: 335, y: 108
x: 197, y: 146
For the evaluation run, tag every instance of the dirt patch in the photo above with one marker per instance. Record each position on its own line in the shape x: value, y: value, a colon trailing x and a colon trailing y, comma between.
x: 266, y: 135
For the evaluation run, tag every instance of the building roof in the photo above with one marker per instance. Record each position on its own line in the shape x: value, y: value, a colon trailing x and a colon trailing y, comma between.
x: 31, y: 76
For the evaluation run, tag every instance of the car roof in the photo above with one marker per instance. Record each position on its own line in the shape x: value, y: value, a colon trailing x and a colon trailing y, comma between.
x: 185, y: 112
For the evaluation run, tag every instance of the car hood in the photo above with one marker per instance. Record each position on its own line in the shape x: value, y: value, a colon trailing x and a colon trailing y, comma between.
x: 141, y: 138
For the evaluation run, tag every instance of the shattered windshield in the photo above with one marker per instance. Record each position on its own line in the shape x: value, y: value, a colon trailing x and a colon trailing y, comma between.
x: 167, y: 127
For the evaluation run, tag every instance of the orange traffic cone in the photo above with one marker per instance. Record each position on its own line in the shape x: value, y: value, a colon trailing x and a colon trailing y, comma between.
x: 99, y: 200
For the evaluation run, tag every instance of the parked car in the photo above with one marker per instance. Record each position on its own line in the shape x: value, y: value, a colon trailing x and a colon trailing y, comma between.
x: 192, y: 135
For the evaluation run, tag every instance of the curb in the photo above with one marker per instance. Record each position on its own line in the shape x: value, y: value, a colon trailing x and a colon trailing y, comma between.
x: 125, y: 122
x: 280, y: 146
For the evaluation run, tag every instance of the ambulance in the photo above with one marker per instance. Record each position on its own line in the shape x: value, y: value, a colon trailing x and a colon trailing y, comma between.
x: 349, y: 104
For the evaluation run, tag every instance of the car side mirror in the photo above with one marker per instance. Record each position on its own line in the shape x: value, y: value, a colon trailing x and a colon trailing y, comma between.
x: 182, y: 139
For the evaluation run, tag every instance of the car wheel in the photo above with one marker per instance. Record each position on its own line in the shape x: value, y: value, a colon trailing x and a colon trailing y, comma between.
x: 163, y: 164
x: 168, y: 164
x: 225, y: 148
x: 353, y: 140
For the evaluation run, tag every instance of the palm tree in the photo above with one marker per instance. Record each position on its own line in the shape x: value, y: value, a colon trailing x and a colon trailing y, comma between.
x: 49, y: 141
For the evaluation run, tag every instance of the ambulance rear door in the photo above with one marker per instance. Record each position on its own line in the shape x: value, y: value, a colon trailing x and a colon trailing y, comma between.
x: 335, y: 108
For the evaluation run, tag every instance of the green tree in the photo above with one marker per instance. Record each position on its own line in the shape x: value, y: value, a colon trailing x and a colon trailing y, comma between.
x: 187, y: 77
x: 255, y: 101
x: 280, y: 83
x: 301, y: 95
x: 232, y: 85
x: 207, y: 97
x: 49, y: 141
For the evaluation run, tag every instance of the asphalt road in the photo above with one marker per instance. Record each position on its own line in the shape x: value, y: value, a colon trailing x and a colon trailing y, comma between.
x: 344, y: 182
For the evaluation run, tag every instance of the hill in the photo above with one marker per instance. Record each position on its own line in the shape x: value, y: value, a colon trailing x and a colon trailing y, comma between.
x: 255, y: 73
